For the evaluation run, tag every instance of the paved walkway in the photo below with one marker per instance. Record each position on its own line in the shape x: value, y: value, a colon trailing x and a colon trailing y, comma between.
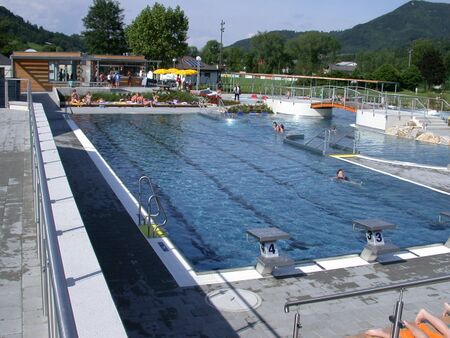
x: 20, y: 279
x: 152, y: 305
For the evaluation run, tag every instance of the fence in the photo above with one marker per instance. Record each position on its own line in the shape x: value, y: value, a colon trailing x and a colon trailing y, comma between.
x: 55, y: 295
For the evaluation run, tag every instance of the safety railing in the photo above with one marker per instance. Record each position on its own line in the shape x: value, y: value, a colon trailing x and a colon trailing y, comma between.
x: 56, y: 301
x: 363, y: 292
x: 351, y: 96
x: 153, y: 215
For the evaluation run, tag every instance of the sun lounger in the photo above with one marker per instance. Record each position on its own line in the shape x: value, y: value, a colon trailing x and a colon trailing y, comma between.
x: 362, y: 335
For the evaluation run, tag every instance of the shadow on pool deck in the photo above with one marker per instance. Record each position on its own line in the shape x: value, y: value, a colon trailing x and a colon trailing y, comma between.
x: 147, y: 297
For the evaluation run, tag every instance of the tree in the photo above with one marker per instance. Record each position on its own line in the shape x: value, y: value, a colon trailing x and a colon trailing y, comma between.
x: 104, y: 32
x: 159, y: 33
x: 313, y: 51
x: 432, y: 67
x: 410, y: 77
x: 234, y: 59
x: 270, y: 52
x: 211, y: 51
x: 386, y: 72
x: 192, y: 51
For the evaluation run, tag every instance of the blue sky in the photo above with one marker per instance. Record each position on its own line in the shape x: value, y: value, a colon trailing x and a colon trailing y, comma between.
x: 243, y: 18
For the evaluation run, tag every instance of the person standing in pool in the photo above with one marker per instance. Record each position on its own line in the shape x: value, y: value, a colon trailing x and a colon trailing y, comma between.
x: 340, y: 175
x: 275, y: 126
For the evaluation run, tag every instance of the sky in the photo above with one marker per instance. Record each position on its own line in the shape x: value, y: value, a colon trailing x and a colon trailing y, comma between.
x: 243, y: 18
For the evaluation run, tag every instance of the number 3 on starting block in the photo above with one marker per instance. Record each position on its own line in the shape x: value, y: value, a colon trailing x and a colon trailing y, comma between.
x: 375, y: 238
x: 268, y: 249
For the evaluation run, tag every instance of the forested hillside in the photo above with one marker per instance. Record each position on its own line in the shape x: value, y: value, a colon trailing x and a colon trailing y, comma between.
x: 17, y: 34
x: 412, y: 21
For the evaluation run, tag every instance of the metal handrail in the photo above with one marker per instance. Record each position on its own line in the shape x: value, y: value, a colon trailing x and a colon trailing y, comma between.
x: 363, y: 292
x: 146, y: 216
x: 55, y: 291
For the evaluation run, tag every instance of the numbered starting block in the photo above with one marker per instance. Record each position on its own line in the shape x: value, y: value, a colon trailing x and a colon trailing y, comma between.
x: 376, y: 247
x: 270, y: 257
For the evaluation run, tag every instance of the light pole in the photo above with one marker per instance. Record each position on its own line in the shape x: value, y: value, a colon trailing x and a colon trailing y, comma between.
x: 409, y: 58
x: 174, y: 60
x: 222, y: 29
x: 199, y: 60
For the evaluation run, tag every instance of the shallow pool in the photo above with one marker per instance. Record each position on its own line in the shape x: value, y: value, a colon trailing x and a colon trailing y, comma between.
x: 218, y: 178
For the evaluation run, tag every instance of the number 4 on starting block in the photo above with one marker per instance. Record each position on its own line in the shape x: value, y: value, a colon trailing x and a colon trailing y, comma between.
x: 268, y: 249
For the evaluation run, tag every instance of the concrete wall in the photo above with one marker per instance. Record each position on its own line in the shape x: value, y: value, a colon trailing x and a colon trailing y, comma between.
x: 380, y: 120
x: 371, y: 119
x: 297, y: 107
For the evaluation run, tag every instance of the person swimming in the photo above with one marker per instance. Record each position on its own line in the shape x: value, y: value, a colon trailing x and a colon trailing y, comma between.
x: 275, y: 126
x: 340, y: 175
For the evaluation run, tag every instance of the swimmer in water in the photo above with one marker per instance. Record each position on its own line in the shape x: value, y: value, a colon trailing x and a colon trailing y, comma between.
x: 340, y: 175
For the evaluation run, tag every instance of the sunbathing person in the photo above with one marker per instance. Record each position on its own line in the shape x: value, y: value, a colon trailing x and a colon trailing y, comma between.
x: 134, y: 98
x: 87, y: 99
x: 446, y: 310
x: 140, y: 99
x: 419, y: 329
x: 74, y: 97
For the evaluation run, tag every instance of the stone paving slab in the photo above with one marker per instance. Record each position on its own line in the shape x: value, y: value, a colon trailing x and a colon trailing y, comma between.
x: 20, y: 290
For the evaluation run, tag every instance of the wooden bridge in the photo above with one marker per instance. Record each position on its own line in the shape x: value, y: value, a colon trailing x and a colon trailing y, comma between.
x: 325, y: 105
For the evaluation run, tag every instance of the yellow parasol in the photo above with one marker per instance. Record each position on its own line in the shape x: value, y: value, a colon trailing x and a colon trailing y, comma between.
x: 190, y: 72
x: 161, y: 71
x: 172, y: 71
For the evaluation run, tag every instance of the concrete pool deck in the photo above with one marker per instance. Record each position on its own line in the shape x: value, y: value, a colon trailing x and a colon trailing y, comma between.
x: 151, y: 304
x: 21, y: 312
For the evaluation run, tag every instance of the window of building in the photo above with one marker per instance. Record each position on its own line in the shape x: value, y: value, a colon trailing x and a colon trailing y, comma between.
x: 61, y: 71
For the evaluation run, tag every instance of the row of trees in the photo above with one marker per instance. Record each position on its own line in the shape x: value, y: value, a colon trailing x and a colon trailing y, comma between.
x: 161, y: 33
x: 310, y: 54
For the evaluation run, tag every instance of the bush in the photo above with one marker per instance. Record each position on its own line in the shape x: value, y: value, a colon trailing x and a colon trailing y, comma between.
x: 258, y: 108
x: 162, y: 96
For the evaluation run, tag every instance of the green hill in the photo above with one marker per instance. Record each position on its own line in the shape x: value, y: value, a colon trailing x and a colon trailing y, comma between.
x: 413, y: 20
x: 17, y: 34
x: 246, y: 43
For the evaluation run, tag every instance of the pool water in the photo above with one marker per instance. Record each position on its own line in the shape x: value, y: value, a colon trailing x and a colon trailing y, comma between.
x: 218, y: 178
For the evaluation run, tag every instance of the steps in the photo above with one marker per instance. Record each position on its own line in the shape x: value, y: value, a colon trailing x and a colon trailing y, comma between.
x: 435, y: 125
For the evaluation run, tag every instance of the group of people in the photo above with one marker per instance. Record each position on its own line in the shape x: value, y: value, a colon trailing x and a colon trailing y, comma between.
x: 279, y: 128
x: 75, y: 98
x: 140, y: 99
x: 425, y: 325
x: 113, y: 79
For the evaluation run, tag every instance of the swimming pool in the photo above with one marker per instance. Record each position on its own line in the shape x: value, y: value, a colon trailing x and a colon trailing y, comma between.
x: 218, y: 178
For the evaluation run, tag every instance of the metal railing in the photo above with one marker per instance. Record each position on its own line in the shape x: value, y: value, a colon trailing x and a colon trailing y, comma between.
x: 352, y: 96
x: 56, y: 301
x: 154, y: 216
x: 363, y: 292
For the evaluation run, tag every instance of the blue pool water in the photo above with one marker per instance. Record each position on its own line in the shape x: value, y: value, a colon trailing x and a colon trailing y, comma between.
x: 218, y: 178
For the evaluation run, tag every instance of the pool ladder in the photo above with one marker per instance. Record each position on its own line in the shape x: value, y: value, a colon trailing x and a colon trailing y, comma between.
x: 153, y: 217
